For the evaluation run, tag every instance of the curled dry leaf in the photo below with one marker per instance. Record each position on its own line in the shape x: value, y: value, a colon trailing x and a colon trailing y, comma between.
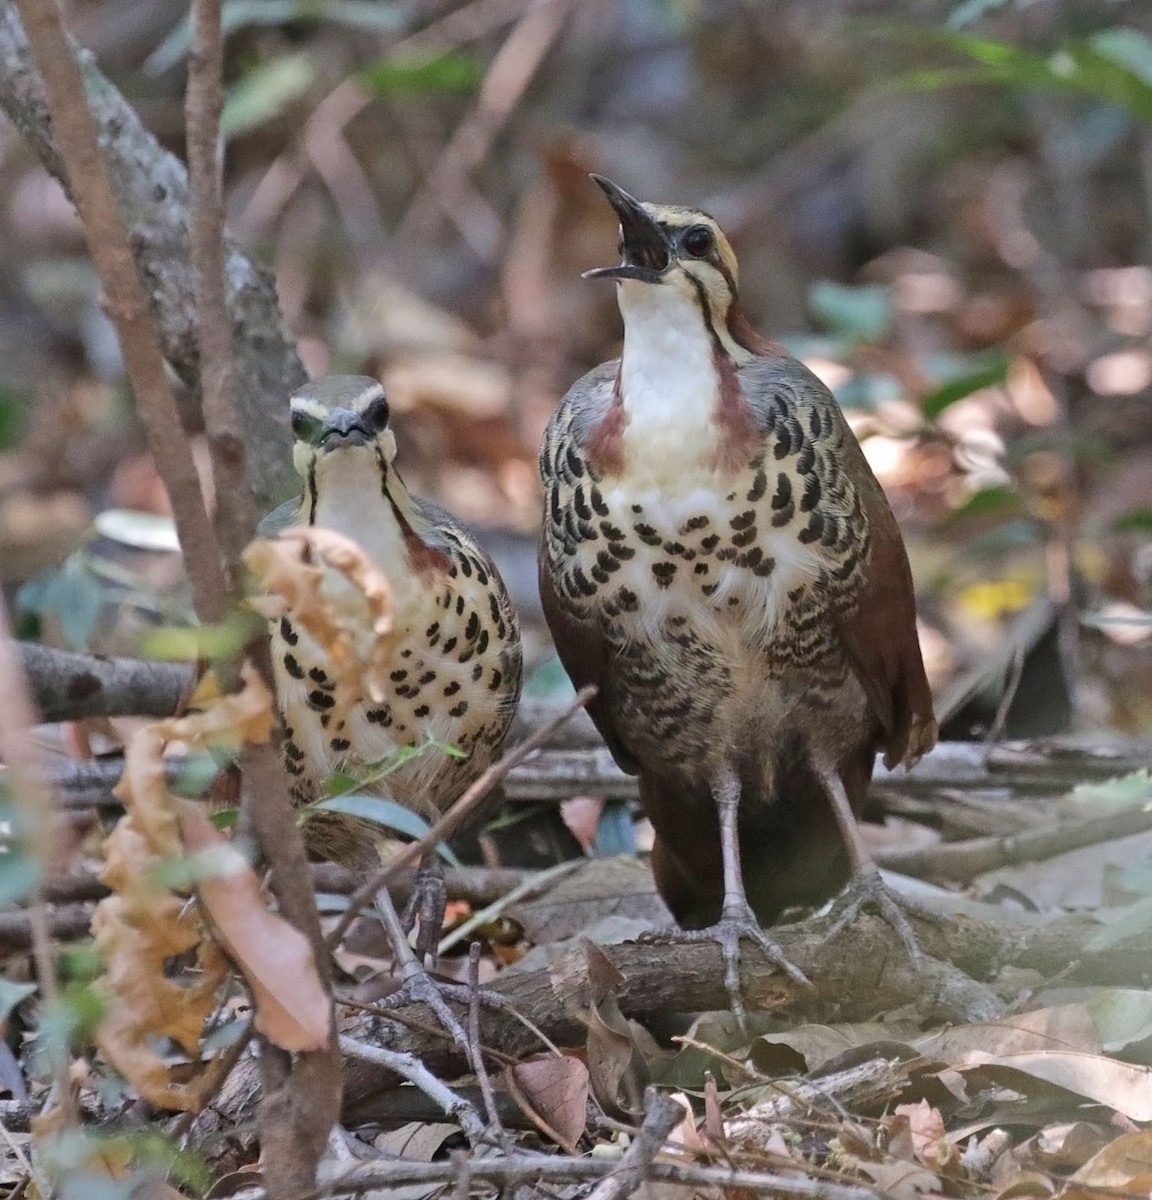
x: 553, y: 1092
x: 685, y: 1136
x: 618, y: 1049
x: 144, y: 924
x: 1124, y: 1165
x: 324, y: 583
x: 292, y: 1008
x: 1122, y: 1086
x: 926, y: 1129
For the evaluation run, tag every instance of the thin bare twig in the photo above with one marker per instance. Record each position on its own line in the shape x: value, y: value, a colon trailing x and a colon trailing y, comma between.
x: 508, y: 77
x: 301, y: 1100
x: 475, y: 1047
x: 33, y: 801
x: 563, y: 1169
x: 447, y: 825
x: 661, y: 1115
x: 204, y: 102
x: 409, y: 1067
x: 125, y: 300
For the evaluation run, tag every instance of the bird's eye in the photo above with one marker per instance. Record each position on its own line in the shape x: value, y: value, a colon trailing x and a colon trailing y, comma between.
x: 378, y: 413
x: 698, y: 241
x: 302, y: 424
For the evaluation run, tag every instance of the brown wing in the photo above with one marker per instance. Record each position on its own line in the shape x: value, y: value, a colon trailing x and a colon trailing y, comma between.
x: 880, y: 639
x: 585, y: 655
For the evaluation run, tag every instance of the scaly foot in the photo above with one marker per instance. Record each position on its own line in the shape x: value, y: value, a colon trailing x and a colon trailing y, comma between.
x: 735, y: 923
x: 867, y: 889
x: 427, y: 904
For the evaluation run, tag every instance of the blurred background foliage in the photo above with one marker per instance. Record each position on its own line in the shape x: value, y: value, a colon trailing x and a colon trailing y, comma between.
x: 944, y: 208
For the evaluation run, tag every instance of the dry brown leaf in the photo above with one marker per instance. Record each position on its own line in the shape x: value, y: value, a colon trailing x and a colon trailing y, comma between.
x: 926, y: 1128
x: 325, y: 583
x: 900, y: 1180
x: 1124, y: 1165
x: 1121, y: 1086
x: 1064, y: 1027
x: 553, y: 1091
x: 685, y: 1137
x: 143, y: 925
x: 617, y: 1068
x: 292, y: 1007
x: 1064, y: 1147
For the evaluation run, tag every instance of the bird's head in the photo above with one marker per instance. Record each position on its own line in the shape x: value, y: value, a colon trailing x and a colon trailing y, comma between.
x: 664, y: 245
x: 340, y: 415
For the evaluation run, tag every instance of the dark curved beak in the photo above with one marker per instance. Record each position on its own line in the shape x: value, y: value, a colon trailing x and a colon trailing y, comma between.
x: 647, y: 253
x: 344, y: 428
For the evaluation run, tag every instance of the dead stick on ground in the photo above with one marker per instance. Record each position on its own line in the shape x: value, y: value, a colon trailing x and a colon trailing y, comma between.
x: 562, y: 1169
x: 447, y: 825
x: 476, y: 1050
x: 961, y: 862
x: 409, y: 1067
x: 127, y: 305
x: 661, y: 1115
x: 867, y: 1083
x: 33, y: 801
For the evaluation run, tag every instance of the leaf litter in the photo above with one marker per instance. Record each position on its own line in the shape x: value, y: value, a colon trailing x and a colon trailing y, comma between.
x: 163, y: 851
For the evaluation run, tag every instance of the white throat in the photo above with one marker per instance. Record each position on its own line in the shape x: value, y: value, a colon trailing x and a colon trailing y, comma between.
x: 350, y: 500
x: 669, y: 385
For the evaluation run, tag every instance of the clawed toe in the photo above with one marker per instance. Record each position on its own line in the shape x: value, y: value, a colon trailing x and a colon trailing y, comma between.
x: 867, y: 889
x: 732, y: 927
x: 427, y: 904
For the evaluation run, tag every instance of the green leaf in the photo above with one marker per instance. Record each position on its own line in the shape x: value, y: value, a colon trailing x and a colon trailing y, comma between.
x: 1135, y: 520
x: 1122, y: 1016
x: 70, y: 595
x: 450, y: 71
x: 18, y: 874
x: 265, y: 93
x: 239, y: 14
x: 1136, y: 877
x: 1128, y: 48
x: 183, y: 873
x: 935, y: 402
x: 72, y: 1020
x: 223, y: 640
x: 12, y: 994
x: 970, y: 11
x: 1125, y: 791
x: 988, y: 501
x: 14, y: 412
x: 1132, y: 922
x: 381, y: 810
x: 194, y: 776
x: 1112, y: 67
x: 860, y: 313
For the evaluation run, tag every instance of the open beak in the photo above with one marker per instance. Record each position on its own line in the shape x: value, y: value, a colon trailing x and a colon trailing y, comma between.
x: 647, y: 253
x: 344, y: 428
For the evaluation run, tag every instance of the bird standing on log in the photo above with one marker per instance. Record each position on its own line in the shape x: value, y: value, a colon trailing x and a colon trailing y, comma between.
x: 720, y: 561
x: 457, y: 656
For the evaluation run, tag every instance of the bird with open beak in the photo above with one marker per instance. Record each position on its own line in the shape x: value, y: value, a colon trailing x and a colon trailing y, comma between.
x: 719, y: 560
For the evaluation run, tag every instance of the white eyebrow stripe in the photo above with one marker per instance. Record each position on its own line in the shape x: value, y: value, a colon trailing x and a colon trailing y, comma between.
x: 309, y: 406
x: 372, y: 392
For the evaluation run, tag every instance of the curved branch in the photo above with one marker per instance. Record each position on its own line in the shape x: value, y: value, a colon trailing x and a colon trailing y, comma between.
x: 151, y: 186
